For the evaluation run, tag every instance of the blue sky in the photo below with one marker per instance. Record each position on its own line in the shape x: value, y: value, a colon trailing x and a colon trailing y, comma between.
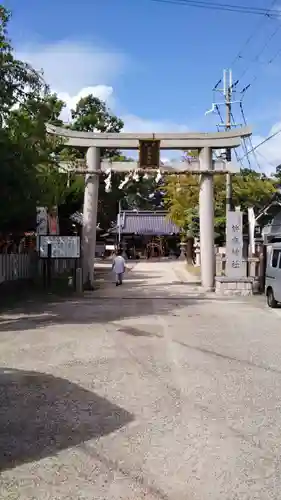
x: 156, y: 63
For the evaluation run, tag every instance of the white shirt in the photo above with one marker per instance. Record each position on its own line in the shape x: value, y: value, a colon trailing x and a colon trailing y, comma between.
x: 119, y: 264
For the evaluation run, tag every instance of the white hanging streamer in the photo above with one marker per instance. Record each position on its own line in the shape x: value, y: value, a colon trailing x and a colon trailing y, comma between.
x: 107, y: 181
x: 133, y: 176
x: 158, y: 176
x: 125, y: 181
x: 136, y: 176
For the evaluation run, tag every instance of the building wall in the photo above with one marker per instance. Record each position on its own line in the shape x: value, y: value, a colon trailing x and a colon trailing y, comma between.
x: 274, y: 228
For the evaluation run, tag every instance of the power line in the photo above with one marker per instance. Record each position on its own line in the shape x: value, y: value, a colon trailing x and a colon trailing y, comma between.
x: 217, y: 110
x: 245, y: 149
x: 266, y: 44
x: 242, y: 9
x: 238, y: 56
x: 262, y: 142
x: 269, y: 13
x: 266, y: 159
x: 257, y: 58
x: 244, y: 146
x: 251, y: 36
x: 266, y: 12
x: 270, y: 61
x: 250, y: 138
x: 227, y: 92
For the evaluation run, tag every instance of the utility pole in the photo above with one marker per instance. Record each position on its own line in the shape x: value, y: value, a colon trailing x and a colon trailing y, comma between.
x: 227, y: 76
x: 228, y: 90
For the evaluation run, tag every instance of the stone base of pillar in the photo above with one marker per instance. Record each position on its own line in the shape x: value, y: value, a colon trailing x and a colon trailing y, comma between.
x: 207, y: 289
x: 234, y: 286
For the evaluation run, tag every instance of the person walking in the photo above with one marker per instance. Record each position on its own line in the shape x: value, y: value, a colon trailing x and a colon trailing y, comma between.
x: 118, y: 267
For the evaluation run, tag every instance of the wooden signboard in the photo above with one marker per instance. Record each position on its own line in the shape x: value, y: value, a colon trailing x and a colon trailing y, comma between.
x: 149, y: 154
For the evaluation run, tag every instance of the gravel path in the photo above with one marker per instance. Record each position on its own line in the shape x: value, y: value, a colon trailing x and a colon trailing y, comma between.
x: 152, y: 390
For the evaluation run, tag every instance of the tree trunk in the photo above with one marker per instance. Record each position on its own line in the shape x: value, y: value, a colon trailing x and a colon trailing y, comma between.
x: 189, y: 250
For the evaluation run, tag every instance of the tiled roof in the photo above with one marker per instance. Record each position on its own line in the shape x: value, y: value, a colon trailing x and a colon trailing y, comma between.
x: 145, y: 222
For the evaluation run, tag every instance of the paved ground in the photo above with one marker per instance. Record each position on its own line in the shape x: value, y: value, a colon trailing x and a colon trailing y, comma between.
x: 148, y: 391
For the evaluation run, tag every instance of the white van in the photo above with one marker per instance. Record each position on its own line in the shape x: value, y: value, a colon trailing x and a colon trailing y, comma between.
x: 273, y: 274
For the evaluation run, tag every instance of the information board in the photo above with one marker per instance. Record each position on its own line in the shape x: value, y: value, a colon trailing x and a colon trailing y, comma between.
x: 62, y: 247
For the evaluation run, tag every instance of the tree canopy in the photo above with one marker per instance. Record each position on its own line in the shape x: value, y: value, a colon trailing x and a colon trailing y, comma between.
x: 31, y: 159
x: 250, y: 189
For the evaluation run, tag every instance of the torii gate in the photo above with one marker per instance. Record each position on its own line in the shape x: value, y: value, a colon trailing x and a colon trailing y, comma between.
x: 205, y: 166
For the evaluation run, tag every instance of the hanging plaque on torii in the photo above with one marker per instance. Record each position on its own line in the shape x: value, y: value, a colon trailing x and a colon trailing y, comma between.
x: 149, y: 154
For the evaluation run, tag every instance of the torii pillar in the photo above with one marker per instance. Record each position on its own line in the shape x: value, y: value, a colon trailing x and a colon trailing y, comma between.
x: 90, y: 209
x: 206, y: 215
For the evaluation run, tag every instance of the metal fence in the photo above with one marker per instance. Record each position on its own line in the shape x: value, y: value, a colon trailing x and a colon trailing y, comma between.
x: 20, y: 266
x: 14, y: 267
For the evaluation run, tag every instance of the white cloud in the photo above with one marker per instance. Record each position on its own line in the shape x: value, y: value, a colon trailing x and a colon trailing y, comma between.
x: 71, y: 66
x: 76, y: 69
x: 132, y: 123
x: 103, y: 92
x: 136, y: 124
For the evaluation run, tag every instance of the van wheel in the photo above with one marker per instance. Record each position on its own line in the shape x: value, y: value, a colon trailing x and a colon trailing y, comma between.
x: 271, y: 302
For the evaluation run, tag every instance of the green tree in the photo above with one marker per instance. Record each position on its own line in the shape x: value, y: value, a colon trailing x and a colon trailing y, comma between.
x: 30, y: 158
x: 252, y: 189
x: 182, y: 197
x: 21, y: 91
x: 30, y: 169
x: 91, y: 114
x: 277, y: 177
x: 17, y: 78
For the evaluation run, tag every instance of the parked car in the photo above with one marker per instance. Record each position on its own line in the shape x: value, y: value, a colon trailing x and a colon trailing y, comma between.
x: 273, y: 274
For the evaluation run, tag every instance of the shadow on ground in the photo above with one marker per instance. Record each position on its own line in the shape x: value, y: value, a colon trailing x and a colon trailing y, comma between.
x: 14, y: 293
x: 137, y: 297
x: 41, y: 414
